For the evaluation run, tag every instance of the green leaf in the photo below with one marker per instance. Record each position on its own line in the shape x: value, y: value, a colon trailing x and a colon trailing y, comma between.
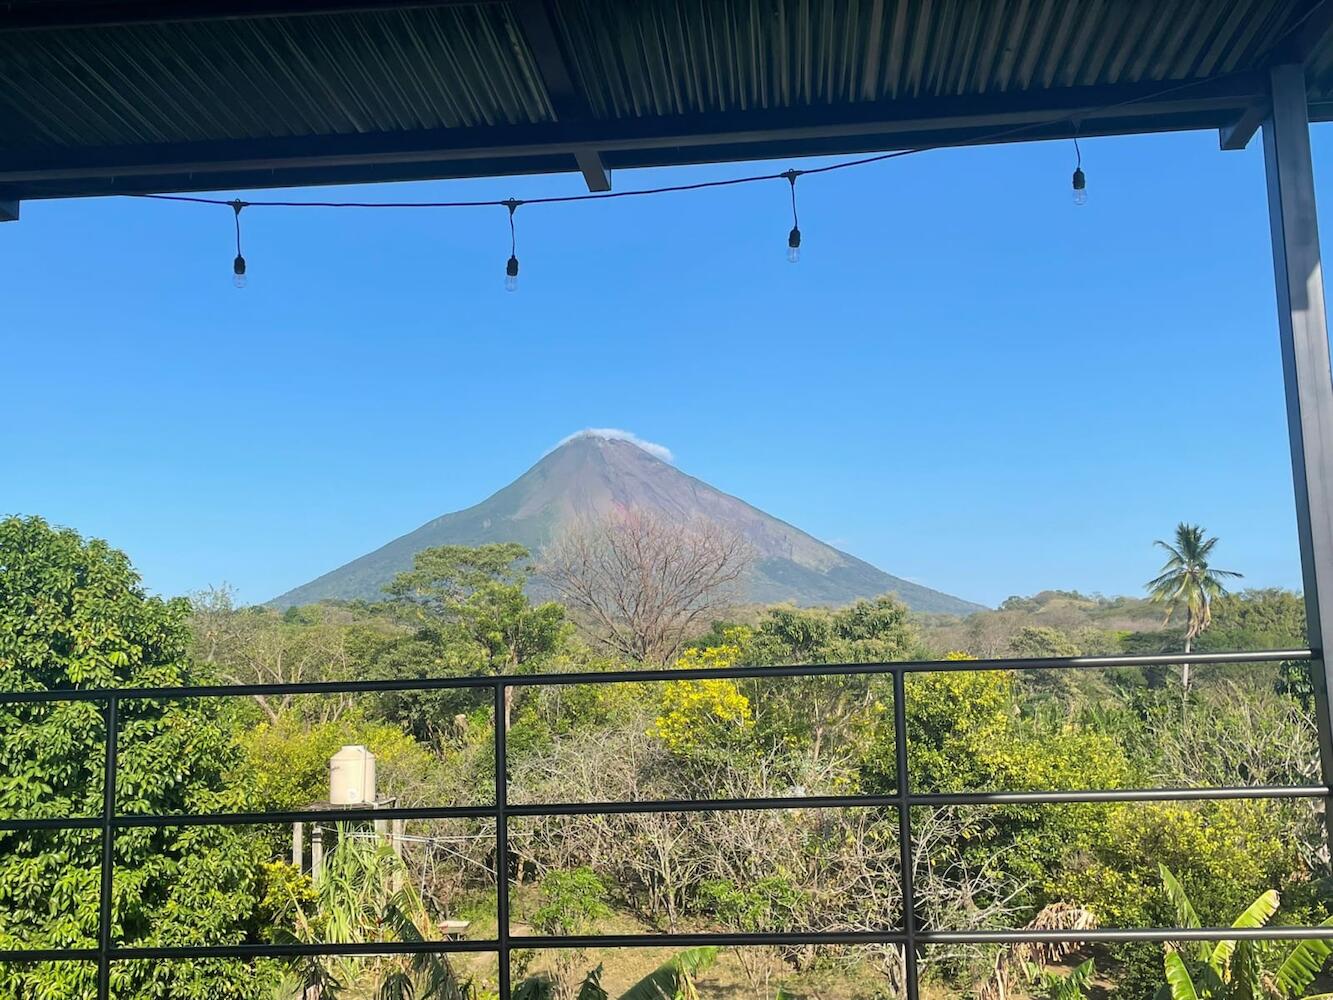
x: 534, y: 988
x: 591, y: 988
x: 1304, y: 963
x: 1256, y: 914
x: 1178, y: 978
x: 1185, y: 913
x: 673, y: 976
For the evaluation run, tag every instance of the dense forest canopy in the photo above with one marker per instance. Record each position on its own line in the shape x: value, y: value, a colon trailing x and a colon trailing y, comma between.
x: 73, y: 614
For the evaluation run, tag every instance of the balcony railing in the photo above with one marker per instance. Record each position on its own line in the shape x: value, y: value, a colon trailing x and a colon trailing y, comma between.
x: 909, y: 936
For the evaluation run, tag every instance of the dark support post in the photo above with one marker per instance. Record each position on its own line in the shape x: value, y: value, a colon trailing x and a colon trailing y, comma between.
x: 9, y: 211
x: 501, y: 840
x: 905, y: 853
x: 1303, y: 333
x: 108, y: 851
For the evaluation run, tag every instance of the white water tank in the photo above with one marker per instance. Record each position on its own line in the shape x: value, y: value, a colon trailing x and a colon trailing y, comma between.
x: 352, y: 777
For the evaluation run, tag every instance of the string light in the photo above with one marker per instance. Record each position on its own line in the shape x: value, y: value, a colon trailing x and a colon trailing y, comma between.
x: 238, y: 265
x: 1080, y: 181
x: 511, y: 268
x: 794, y: 237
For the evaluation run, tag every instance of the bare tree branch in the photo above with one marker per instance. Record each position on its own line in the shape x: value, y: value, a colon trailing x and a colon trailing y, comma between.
x: 643, y: 584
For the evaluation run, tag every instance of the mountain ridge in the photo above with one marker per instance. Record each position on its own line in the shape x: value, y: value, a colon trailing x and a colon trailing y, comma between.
x: 593, y: 473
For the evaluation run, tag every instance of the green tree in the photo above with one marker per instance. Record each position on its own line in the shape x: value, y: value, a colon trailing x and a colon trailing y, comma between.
x: 73, y: 616
x: 477, y: 594
x: 571, y: 903
x: 1187, y: 582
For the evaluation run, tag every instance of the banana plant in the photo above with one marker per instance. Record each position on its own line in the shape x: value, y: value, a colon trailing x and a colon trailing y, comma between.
x: 1233, y: 969
x: 672, y: 980
x: 365, y: 896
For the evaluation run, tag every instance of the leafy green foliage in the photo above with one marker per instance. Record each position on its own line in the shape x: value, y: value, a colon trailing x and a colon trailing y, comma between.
x: 572, y: 902
x: 72, y: 615
x: 1234, y: 969
x: 364, y: 895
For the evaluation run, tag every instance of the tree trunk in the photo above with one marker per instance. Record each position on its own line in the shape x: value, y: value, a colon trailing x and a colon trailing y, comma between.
x: 1185, y: 669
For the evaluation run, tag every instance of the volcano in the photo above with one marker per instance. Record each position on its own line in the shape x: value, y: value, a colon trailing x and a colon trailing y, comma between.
x: 596, y: 472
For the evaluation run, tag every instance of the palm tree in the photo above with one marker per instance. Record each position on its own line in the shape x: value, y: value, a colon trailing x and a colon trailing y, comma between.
x: 1187, y: 581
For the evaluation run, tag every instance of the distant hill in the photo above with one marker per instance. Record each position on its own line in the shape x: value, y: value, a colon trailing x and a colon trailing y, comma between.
x: 592, y: 474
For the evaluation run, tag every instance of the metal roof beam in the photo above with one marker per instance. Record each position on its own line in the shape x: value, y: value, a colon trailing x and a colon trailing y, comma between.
x: 9, y: 211
x: 569, y: 103
x: 47, y: 16
x: 751, y: 134
x: 1238, y: 134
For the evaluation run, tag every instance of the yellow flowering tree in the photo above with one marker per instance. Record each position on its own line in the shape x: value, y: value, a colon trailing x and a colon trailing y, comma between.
x: 705, y: 715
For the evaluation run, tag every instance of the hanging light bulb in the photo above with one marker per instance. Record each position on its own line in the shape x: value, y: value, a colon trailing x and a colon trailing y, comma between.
x: 794, y: 237
x: 1080, y: 181
x: 511, y: 268
x: 238, y: 265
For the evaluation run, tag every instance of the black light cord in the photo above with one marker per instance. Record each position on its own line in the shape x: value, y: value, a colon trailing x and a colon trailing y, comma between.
x: 789, y: 175
x: 512, y: 204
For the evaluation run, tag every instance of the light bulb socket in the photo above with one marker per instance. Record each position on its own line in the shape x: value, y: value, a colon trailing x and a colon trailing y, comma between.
x: 1080, y: 182
x: 511, y: 269
x: 794, y: 238
x: 238, y: 266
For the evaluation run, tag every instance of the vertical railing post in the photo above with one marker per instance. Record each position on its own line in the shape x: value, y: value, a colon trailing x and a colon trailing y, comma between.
x: 108, y: 850
x: 1303, y: 335
x: 905, y: 852
x: 501, y: 838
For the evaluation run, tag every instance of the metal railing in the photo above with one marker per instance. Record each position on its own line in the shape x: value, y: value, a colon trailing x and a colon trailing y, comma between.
x: 909, y: 936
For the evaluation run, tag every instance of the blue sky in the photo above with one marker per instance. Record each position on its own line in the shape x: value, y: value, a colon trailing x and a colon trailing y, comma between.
x: 967, y: 380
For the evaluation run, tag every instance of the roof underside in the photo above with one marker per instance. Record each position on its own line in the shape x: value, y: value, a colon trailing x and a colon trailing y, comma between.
x: 121, y: 96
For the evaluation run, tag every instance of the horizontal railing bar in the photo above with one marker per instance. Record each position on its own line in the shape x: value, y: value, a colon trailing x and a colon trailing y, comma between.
x: 328, y: 816
x: 653, y: 675
x: 1015, y: 936
x: 701, y: 805
x: 51, y: 823
x: 242, y: 951
x: 318, y: 948
x: 26, y: 955
x: 1120, y: 795
x: 725, y: 939
x: 537, y: 809
x: 673, y: 940
x: 1122, y: 934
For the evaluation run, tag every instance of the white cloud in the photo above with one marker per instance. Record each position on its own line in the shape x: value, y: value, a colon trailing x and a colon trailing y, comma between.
x: 614, y: 434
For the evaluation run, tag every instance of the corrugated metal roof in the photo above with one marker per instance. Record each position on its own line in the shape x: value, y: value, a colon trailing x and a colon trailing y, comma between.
x: 664, y: 57
x: 448, y: 67
x: 126, y: 90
